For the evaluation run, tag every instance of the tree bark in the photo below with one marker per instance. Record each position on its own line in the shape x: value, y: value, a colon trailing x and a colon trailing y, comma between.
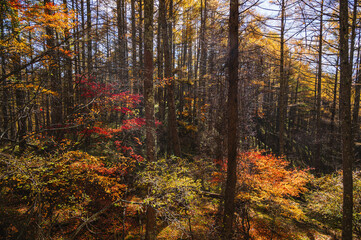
x: 55, y: 83
x: 317, y: 163
x: 89, y: 41
x: 5, y: 91
x: 355, y: 113
x: 203, y: 60
x: 140, y: 32
x: 356, y: 106
x: 122, y: 42
x: 173, y: 143
x: 69, y: 102
x: 345, y: 119
x: 148, y: 80
x: 282, y: 102
x: 134, y: 47
x: 230, y: 191
x: 149, y: 105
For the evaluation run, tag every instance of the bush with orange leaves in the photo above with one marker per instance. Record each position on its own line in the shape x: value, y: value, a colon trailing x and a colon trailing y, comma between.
x: 268, y: 182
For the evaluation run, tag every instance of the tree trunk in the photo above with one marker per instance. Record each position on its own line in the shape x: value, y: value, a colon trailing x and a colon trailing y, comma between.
x: 160, y: 95
x: 173, y: 142
x: 134, y: 47
x: 334, y: 103
x: 355, y: 113
x: 69, y: 102
x: 149, y: 105
x: 140, y: 42
x: 82, y: 14
x: 19, y: 92
x: 55, y: 83
x: 150, y: 233
x: 203, y: 60
x: 282, y: 102
x: 356, y: 106
x: 5, y: 91
x: 121, y: 42
x: 230, y: 192
x: 317, y: 163
x: 89, y: 41
x: 345, y: 119
x: 148, y: 80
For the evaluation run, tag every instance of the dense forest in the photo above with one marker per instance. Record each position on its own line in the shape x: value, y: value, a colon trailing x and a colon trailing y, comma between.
x: 180, y: 119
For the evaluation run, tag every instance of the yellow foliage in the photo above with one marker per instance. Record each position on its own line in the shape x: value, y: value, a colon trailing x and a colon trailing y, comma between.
x: 36, y: 89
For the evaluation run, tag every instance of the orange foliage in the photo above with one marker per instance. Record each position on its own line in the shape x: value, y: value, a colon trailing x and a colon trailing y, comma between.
x: 269, y: 182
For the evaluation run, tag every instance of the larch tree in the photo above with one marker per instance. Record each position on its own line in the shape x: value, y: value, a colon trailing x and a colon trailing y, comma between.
x: 173, y: 138
x: 282, y: 100
x: 19, y: 92
x: 317, y: 163
x: 232, y: 104
x: 149, y: 105
x: 89, y: 38
x: 345, y: 119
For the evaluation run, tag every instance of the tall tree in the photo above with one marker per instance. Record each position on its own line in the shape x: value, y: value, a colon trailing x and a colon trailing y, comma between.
x: 345, y: 119
x: 356, y: 107
x: 230, y: 191
x: 19, y: 92
x: 69, y: 102
x: 88, y: 36
x: 173, y: 142
x: 149, y: 104
x: 203, y: 63
x: 148, y: 81
x: 282, y: 101
x: 5, y: 92
x: 134, y: 45
x: 140, y: 32
x: 317, y: 158
x: 55, y: 83
x: 121, y: 22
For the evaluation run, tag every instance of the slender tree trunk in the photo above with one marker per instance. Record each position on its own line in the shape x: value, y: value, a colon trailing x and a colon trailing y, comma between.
x: 317, y: 163
x: 334, y: 101
x: 125, y: 45
x: 356, y: 106
x: 55, y: 83
x: 5, y: 91
x: 20, y: 105
x: 355, y: 113
x: 89, y: 38
x: 345, y: 119
x: 69, y: 102
x: 353, y: 33
x: 148, y: 80
x: 149, y: 105
x: 230, y: 192
x: 19, y: 92
x: 134, y: 47
x: 140, y: 32
x: 203, y: 60
x: 82, y: 15
x: 282, y: 102
x: 96, y: 63
x: 121, y: 41
x: 173, y: 143
x: 160, y: 58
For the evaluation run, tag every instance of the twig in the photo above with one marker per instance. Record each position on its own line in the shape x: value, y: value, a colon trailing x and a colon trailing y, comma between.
x: 95, y: 215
